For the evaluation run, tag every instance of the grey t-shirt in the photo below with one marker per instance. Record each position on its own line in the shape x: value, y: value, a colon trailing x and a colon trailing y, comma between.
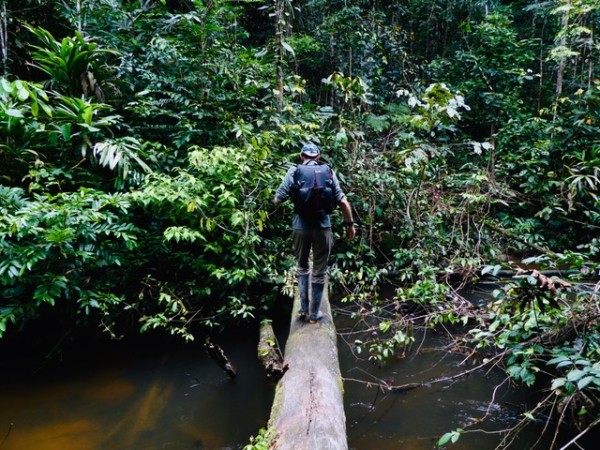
x: 303, y: 223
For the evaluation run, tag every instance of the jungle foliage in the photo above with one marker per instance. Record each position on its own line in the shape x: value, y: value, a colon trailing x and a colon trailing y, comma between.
x: 141, y: 142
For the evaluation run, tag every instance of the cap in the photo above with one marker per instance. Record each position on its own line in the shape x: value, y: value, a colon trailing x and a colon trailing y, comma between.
x: 310, y: 150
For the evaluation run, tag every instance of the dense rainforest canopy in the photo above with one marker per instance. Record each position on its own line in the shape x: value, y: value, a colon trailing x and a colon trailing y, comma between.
x: 141, y: 142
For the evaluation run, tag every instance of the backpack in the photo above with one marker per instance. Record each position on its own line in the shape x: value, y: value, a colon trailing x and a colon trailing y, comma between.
x: 312, y: 191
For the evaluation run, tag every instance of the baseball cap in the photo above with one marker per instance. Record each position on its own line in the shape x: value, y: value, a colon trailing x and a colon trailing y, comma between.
x: 310, y: 150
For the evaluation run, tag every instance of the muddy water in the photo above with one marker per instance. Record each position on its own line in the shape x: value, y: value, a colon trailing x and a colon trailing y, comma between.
x: 116, y: 397
x: 147, y: 396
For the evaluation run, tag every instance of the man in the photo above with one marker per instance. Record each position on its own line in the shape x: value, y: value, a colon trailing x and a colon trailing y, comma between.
x: 312, y: 230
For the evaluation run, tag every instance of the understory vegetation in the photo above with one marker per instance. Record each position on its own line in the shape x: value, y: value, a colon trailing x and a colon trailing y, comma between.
x: 141, y: 143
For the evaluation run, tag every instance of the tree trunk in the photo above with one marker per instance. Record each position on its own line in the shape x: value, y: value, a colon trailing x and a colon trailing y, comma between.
x: 562, y: 64
x: 308, y: 409
x: 279, y: 51
x: 4, y: 37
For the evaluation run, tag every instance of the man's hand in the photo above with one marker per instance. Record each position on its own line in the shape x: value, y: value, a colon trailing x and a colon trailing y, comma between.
x: 350, y: 232
x: 348, y: 222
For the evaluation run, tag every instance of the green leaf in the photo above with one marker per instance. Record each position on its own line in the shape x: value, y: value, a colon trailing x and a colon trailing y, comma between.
x: 35, y: 109
x: 65, y: 131
x: 575, y: 375
x: 445, y: 439
x: 22, y: 94
x: 558, y: 383
x: 287, y: 46
x: 7, y: 86
x: 14, y: 113
x: 584, y: 382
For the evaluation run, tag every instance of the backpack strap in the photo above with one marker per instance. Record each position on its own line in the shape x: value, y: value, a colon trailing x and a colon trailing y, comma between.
x: 295, y: 173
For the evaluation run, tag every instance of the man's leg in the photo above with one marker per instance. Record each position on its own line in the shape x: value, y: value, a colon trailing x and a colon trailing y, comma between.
x: 322, y: 245
x: 302, y: 244
x: 303, y: 291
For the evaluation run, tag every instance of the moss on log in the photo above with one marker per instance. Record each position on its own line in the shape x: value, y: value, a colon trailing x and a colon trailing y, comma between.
x: 308, y: 409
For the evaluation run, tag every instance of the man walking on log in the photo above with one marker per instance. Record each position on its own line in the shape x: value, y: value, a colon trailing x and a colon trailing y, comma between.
x: 315, y: 191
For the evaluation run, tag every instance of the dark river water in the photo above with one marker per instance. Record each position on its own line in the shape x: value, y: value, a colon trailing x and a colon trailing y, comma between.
x: 153, y: 394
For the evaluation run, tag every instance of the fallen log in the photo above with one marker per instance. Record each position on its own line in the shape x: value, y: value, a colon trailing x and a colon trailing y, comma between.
x: 308, y: 409
x: 269, y: 353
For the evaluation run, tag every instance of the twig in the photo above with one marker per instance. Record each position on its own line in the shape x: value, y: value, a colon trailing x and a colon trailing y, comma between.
x: 410, y: 386
x: 574, y: 440
x: 10, y: 427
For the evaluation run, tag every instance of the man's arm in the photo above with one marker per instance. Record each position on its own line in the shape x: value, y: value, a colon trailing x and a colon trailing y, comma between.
x: 283, y: 191
x: 348, y: 221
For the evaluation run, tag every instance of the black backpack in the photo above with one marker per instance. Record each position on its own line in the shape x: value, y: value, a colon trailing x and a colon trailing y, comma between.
x: 312, y: 191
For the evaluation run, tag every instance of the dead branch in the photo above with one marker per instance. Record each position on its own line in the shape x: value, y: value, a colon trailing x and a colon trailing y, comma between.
x: 217, y: 354
x: 544, y: 282
x: 382, y: 384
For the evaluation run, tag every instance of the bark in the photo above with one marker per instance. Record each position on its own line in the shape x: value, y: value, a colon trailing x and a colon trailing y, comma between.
x: 308, y: 409
x: 269, y: 353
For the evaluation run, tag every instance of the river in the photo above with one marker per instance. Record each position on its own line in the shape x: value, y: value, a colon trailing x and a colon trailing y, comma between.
x: 150, y: 393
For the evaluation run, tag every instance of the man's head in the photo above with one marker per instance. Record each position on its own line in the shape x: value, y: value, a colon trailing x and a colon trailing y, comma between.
x: 310, y: 151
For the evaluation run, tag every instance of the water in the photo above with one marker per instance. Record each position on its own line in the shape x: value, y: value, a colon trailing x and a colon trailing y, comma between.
x: 416, y: 418
x: 483, y: 402
x: 163, y: 394
x: 151, y: 396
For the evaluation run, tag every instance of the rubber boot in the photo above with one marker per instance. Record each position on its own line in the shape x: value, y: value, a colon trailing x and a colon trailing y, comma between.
x: 315, y: 306
x: 303, y: 290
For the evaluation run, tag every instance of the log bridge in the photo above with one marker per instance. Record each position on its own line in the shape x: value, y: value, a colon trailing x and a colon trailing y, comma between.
x: 308, y: 408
